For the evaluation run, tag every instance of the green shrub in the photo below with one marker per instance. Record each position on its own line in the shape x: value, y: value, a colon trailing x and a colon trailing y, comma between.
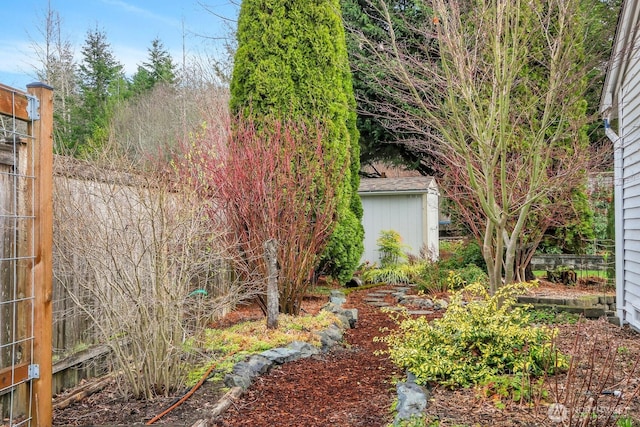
x: 394, y: 274
x: 479, y: 337
x: 469, y: 274
x: 436, y: 277
x: 390, y: 247
x: 433, y: 278
x: 455, y: 271
x: 459, y: 254
x: 472, y: 254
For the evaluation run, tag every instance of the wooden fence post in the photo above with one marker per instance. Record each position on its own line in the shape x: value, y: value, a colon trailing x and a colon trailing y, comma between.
x: 41, y: 406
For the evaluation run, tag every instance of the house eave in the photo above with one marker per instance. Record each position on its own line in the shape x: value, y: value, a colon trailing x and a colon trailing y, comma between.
x: 621, y: 53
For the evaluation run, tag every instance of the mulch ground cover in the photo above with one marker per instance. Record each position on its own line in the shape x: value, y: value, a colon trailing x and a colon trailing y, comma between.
x: 349, y: 386
x: 353, y: 385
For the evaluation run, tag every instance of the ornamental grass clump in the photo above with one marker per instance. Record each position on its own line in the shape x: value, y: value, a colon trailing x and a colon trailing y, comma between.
x: 479, y: 337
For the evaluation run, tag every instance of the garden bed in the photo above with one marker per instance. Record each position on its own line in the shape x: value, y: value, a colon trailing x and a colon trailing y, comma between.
x: 354, y: 386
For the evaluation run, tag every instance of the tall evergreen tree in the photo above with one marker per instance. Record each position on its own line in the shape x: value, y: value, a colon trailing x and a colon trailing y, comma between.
x: 160, y: 68
x: 380, y: 143
x: 292, y: 62
x: 101, y: 84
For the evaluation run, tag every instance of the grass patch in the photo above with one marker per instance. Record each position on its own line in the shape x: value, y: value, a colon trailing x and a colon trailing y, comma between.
x: 233, y: 344
x: 254, y: 336
x: 546, y: 316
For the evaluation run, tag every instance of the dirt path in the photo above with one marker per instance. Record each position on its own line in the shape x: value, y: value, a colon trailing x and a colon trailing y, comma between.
x: 353, y: 386
x: 349, y: 386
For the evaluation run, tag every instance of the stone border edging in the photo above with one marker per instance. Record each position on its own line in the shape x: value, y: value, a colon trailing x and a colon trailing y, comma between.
x: 590, y: 306
x: 243, y: 373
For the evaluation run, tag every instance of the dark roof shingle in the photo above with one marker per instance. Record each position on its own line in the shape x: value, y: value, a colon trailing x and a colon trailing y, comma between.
x: 417, y: 184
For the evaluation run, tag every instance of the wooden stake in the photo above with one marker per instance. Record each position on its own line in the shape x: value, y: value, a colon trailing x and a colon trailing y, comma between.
x: 271, y: 259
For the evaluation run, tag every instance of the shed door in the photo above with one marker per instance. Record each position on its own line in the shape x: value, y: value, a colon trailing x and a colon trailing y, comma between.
x: 402, y: 213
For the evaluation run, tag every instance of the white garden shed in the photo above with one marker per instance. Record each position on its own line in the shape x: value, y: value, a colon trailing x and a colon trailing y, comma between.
x: 621, y: 101
x: 408, y: 205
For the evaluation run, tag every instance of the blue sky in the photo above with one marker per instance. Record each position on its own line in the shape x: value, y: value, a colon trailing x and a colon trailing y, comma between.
x: 130, y: 26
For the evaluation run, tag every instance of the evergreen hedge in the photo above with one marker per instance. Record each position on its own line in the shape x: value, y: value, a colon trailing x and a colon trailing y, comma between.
x: 292, y: 63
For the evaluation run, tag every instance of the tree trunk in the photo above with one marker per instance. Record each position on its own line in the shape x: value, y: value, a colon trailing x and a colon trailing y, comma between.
x: 271, y: 260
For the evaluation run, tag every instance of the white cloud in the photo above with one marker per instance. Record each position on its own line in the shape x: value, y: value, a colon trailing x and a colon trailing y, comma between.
x: 129, y: 57
x: 142, y: 12
x: 16, y: 56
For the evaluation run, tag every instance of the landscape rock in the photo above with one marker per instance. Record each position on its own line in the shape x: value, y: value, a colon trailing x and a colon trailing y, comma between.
x: 412, y: 401
x: 378, y: 303
x: 281, y: 355
x: 352, y: 316
x: 305, y: 349
x: 441, y: 304
x: 257, y: 365
x: 348, y: 314
x: 427, y: 303
x: 338, y: 298
x: 233, y: 380
x: 376, y: 295
x: 243, y: 373
x: 330, y: 336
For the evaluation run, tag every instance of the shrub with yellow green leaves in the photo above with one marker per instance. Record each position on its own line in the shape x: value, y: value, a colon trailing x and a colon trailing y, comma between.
x: 479, y: 337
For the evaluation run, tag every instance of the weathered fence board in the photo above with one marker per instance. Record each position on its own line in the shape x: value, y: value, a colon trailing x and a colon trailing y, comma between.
x: 577, y: 262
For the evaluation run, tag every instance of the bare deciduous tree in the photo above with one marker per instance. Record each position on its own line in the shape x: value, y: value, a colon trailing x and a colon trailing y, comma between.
x: 495, y: 93
x: 152, y: 125
x: 57, y: 68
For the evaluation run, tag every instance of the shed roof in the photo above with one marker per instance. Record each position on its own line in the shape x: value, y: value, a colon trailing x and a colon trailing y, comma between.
x: 413, y: 184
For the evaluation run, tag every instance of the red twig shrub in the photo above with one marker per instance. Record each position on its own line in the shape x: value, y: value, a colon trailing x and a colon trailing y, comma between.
x: 267, y: 182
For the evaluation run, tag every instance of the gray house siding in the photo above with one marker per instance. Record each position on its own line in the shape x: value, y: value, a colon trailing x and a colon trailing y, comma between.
x: 621, y: 100
x: 629, y: 134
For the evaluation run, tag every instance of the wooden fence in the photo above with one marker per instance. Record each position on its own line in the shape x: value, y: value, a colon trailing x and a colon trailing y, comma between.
x: 576, y: 262
x: 98, y: 209
x: 26, y: 150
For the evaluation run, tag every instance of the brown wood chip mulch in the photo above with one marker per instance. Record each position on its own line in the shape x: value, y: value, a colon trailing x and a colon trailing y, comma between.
x: 350, y: 385
x: 353, y: 386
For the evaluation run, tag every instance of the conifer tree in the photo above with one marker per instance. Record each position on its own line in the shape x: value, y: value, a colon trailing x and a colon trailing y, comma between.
x: 292, y: 63
x: 102, y: 83
x: 160, y: 68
